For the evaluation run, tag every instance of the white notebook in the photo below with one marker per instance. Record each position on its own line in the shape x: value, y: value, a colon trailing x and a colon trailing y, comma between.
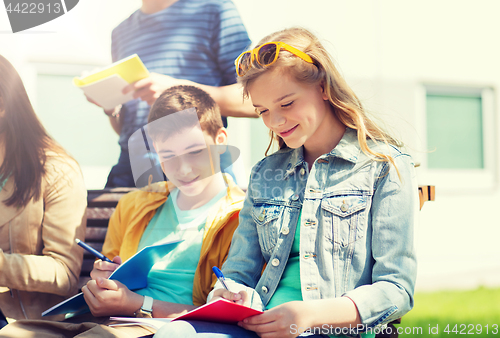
x: 105, y: 86
x: 108, y: 91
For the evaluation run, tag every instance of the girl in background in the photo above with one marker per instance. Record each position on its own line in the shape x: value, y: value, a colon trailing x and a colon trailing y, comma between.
x: 42, y: 209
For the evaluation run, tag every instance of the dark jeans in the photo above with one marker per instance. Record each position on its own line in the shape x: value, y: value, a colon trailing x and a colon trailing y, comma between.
x: 121, y: 173
x: 3, y: 321
x: 226, y: 164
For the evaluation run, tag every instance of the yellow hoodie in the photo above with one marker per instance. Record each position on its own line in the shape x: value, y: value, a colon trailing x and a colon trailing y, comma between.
x: 136, y: 209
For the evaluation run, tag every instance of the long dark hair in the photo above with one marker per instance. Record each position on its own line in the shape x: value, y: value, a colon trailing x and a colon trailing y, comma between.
x: 25, y: 139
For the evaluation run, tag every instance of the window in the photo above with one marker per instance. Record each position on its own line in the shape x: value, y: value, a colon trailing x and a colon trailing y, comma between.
x: 459, y: 137
x: 454, y: 128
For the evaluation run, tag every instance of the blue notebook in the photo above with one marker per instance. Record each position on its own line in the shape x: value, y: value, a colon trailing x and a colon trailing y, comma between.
x: 133, y: 274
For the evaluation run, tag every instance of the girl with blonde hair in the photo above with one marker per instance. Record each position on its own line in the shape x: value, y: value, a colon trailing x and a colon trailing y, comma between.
x: 331, y: 213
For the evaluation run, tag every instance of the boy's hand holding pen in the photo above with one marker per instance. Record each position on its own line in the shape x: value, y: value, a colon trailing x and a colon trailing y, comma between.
x: 104, y: 267
x: 238, y: 298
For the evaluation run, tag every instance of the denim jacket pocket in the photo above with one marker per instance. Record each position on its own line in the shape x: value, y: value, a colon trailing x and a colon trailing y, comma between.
x: 344, y: 218
x: 266, y: 218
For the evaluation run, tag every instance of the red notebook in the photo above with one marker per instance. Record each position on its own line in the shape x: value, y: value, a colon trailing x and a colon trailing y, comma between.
x: 220, y: 311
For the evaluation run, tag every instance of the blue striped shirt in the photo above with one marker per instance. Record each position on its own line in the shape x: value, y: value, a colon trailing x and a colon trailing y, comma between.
x: 197, y: 40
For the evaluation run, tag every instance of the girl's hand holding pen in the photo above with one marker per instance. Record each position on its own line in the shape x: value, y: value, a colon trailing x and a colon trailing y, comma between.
x: 105, y: 269
x: 238, y: 298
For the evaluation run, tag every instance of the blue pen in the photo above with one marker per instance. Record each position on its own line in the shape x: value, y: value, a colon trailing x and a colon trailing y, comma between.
x: 92, y: 251
x: 220, y: 277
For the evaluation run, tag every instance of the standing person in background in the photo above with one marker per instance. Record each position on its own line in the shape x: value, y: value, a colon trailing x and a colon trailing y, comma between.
x: 181, y: 42
x: 332, y: 212
x: 42, y: 208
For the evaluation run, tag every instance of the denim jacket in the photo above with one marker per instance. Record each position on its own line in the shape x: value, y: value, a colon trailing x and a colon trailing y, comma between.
x: 356, y: 235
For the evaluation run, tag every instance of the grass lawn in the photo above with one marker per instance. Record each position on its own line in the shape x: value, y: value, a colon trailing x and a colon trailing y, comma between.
x: 473, y: 313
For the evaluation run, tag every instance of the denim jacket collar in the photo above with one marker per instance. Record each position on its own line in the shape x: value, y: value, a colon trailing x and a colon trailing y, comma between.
x: 296, y: 160
x: 347, y: 149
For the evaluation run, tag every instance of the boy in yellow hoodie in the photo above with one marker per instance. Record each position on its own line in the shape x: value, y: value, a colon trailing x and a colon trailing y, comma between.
x: 198, y: 205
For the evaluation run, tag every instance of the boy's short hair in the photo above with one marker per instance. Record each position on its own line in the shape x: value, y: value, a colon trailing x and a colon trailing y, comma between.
x: 178, y: 98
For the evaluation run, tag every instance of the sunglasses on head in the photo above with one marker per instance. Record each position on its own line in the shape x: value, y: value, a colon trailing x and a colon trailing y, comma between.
x: 265, y: 55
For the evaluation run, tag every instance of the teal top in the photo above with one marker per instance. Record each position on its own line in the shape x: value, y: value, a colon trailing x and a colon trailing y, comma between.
x: 2, y: 183
x: 288, y: 289
x: 171, y: 278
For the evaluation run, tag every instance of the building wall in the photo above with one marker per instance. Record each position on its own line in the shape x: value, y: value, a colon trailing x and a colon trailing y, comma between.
x: 387, y: 50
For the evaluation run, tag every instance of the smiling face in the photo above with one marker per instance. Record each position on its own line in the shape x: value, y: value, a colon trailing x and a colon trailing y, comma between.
x: 188, y: 164
x: 299, y: 113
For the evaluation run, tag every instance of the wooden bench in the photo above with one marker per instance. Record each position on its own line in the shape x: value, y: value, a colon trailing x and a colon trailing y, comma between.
x: 102, y: 203
x: 100, y: 206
